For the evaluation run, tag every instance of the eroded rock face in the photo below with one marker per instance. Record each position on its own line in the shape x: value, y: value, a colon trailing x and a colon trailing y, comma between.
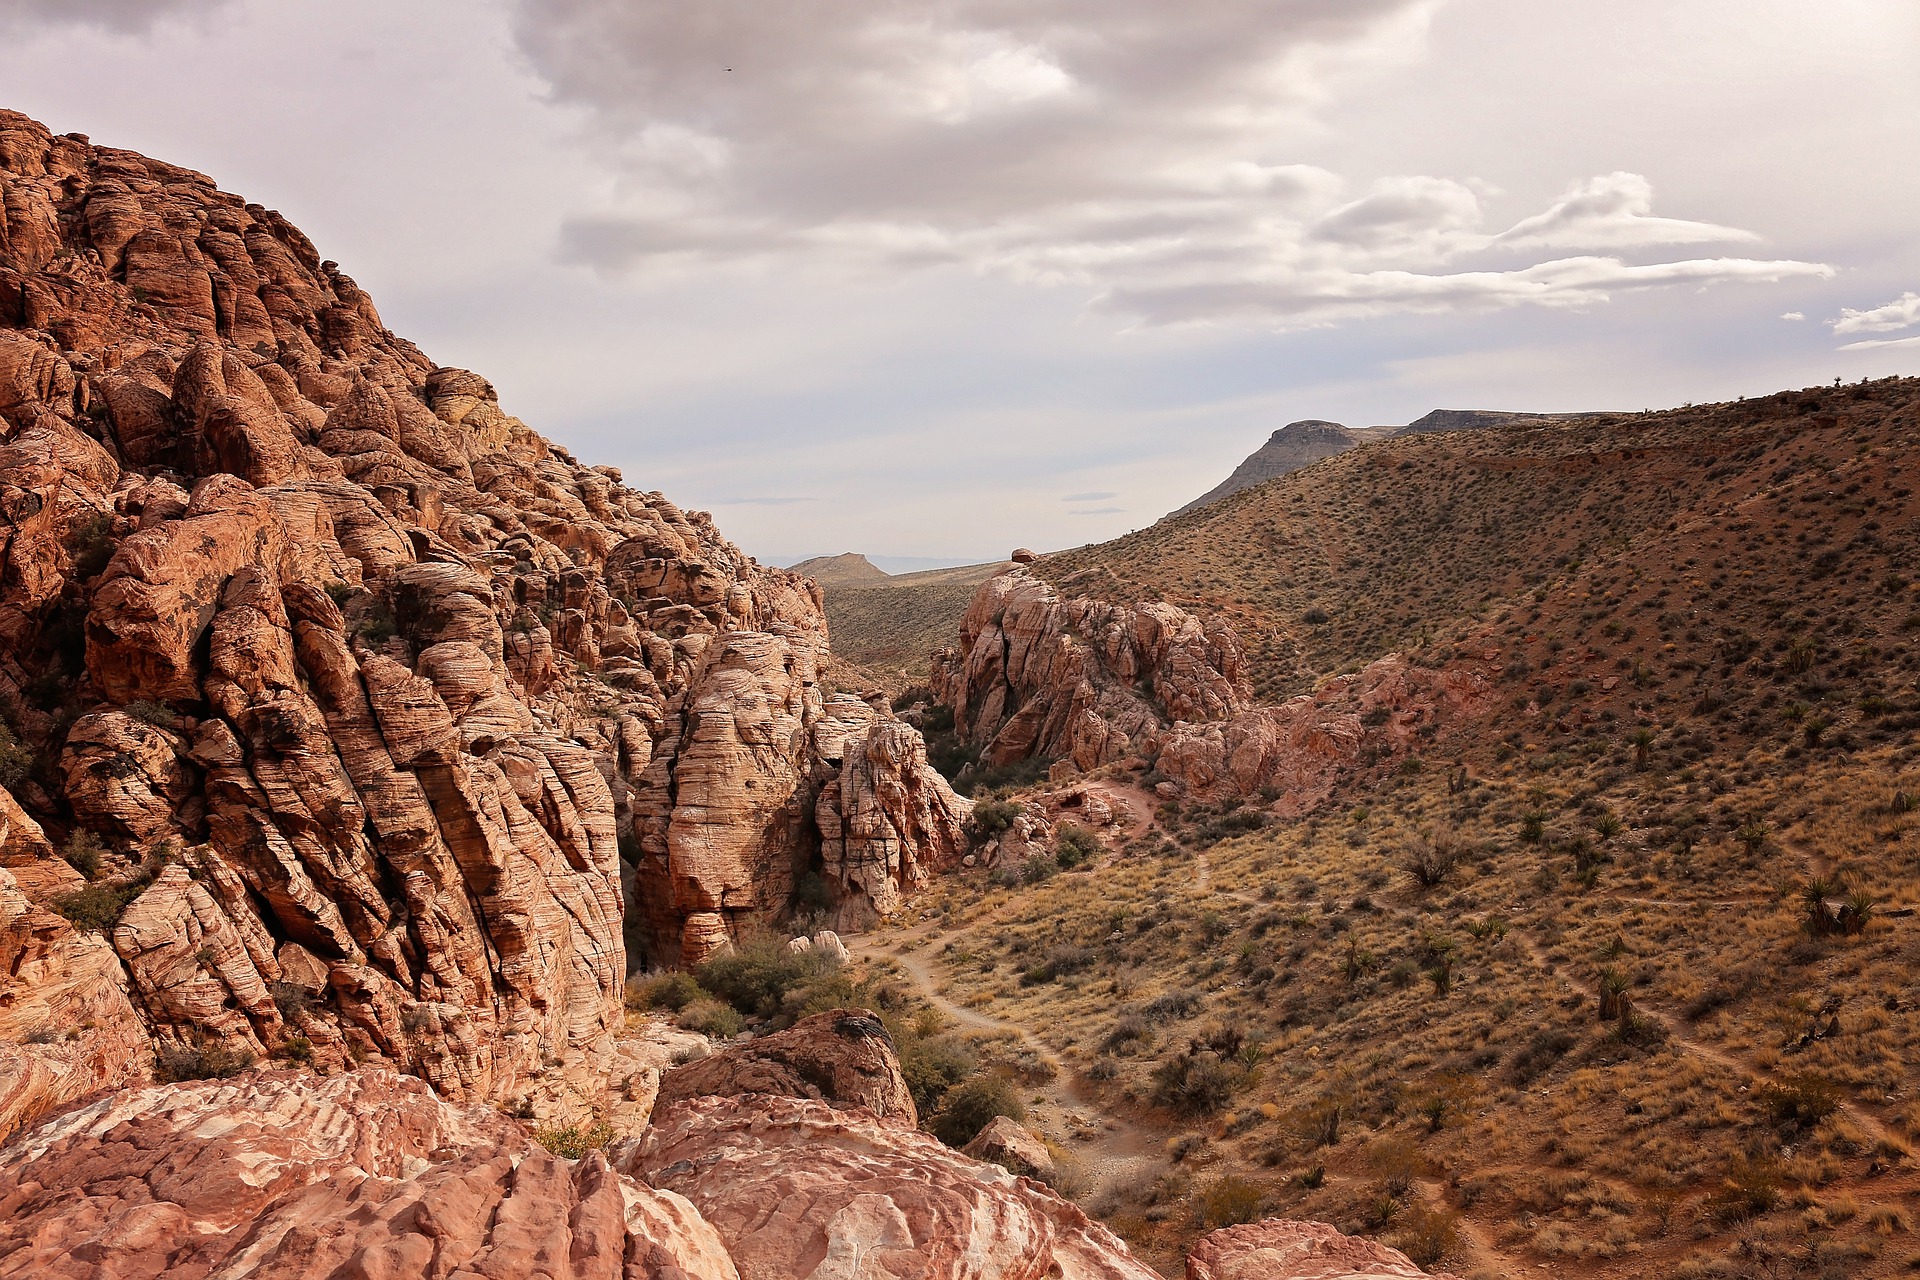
x: 66, y: 1027
x: 797, y: 1189
x: 1279, y: 1249
x: 1015, y: 1148
x: 388, y: 679
x: 364, y: 1174
x: 843, y: 1057
x: 1087, y: 683
x: 1039, y: 674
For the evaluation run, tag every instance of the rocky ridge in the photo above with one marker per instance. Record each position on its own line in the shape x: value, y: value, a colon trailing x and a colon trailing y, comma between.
x: 1087, y: 682
x: 358, y: 687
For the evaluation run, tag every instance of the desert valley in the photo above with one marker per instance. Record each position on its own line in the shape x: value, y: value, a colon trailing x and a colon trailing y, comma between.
x: 1482, y: 847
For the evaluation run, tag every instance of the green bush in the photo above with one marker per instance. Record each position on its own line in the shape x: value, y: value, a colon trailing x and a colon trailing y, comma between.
x: 156, y: 714
x: 1074, y: 844
x: 756, y: 976
x: 90, y: 542
x: 992, y: 816
x: 972, y: 1106
x: 16, y: 761
x: 1231, y: 1201
x: 98, y: 907
x: 1038, y: 868
x: 673, y: 991
x: 82, y: 852
x: 576, y: 1141
x: 711, y: 1018
x: 933, y: 1065
x: 1195, y: 1082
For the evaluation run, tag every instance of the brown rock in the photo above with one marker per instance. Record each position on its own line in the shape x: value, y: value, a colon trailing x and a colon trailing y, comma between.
x: 796, y: 1189
x: 844, y: 1057
x: 364, y: 1174
x: 1015, y: 1148
x: 1281, y: 1249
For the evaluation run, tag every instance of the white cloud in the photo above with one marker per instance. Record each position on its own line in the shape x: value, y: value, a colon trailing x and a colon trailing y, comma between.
x: 1144, y: 153
x: 1898, y: 314
x: 1794, y: 315
x: 1875, y: 343
x: 1612, y: 211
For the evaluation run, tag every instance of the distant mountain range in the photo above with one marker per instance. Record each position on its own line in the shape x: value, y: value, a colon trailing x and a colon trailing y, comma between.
x: 1300, y: 443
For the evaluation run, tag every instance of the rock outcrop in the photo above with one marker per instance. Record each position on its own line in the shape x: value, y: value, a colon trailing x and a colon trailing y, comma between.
x: 1278, y: 1249
x: 843, y: 1057
x: 797, y: 1189
x: 366, y: 684
x: 1088, y: 682
x: 1015, y: 1148
x: 288, y: 1177
x: 1070, y: 678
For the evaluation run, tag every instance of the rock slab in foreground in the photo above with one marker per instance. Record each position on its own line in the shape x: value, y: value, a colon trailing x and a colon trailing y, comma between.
x: 1280, y: 1249
x: 287, y: 1176
x: 843, y: 1057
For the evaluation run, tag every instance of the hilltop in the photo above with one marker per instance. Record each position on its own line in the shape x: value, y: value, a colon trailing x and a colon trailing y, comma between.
x: 848, y: 569
x: 1299, y: 444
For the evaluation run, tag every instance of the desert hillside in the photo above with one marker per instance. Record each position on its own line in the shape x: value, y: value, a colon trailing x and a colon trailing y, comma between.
x: 1529, y: 879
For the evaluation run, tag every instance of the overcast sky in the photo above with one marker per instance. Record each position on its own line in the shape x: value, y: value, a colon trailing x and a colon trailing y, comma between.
x: 934, y: 279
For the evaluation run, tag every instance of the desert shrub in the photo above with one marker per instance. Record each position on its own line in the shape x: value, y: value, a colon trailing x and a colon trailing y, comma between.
x: 295, y: 1049
x: 16, y: 761
x: 1060, y: 961
x: 756, y: 976
x: 199, y: 1060
x: 812, y: 892
x: 1017, y: 773
x: 157, y: 714
x: 1751, y: 1188
x: 992, y: 815
x: 1038, y: 868
x: 674, y: 991
x: 576, y: 1141
x: 1426, y: 1235
x: 1174, y: 1004
x: 98, y: 907
x: 1074, y: 844
x: 1396, y: 1163
x: 971, y: 1106
x: 711, y: 1018
x: 90, y: 542
x: 1131, y: 1029
x: 1800, y: 1102
x: 1231, y: 1201
x: 83, y: 851
x: 292, y: 1001
x: 1431, y: 858
x: 933, y: 1065
x: 1196, y: 1081
x: 1538, y: 1055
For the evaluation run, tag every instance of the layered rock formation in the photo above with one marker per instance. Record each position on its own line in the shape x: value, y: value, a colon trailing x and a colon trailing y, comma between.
x: 1089, y: 682
x: 363, y: 681
x: 364, y: 1174
x: 843, y: 1057
x: 293, y: 1177
x: 1297, y: 1251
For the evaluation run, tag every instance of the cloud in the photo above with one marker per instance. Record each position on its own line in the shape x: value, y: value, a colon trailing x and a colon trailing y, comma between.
x: 1613, y: 211
x: 1794, y: 315
x: 1144, y: 154
x: 1898, y: 314
x: 1098, y: 511
x: 1088, y: 497
x: 122, y: 17
x: 1874, y: 343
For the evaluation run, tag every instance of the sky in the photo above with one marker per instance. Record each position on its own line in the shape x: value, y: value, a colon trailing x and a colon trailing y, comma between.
x: 931, y: 279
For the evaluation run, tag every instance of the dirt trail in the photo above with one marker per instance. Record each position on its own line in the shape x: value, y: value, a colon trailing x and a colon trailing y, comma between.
x: 1108, y: 1148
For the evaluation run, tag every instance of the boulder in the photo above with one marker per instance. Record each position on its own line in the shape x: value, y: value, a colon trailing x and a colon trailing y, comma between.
x: 1282, y: 1249
x: 1015, y: 1148
x: 844, y: 1057
x: 290, y: 1176
x: 800, y: 1191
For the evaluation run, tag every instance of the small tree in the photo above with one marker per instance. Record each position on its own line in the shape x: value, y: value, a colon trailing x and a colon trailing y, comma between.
x: 1431, y: 858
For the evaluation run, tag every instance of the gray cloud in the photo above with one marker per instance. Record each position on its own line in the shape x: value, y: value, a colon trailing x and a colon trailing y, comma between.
x: 122, y: 17
x: 1133, y: 150
x: 1098, y: 511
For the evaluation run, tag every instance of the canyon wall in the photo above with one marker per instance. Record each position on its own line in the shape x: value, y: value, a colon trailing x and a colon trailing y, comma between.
x: 351, y: 691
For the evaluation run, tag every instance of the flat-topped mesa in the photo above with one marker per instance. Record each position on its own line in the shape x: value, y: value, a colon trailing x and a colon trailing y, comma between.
x: 1086, y: 682
x: 374, y: 682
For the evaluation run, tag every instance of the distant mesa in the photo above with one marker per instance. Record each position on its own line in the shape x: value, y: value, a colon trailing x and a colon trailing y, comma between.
x: 1300, y: 444
x: 850, y: 569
